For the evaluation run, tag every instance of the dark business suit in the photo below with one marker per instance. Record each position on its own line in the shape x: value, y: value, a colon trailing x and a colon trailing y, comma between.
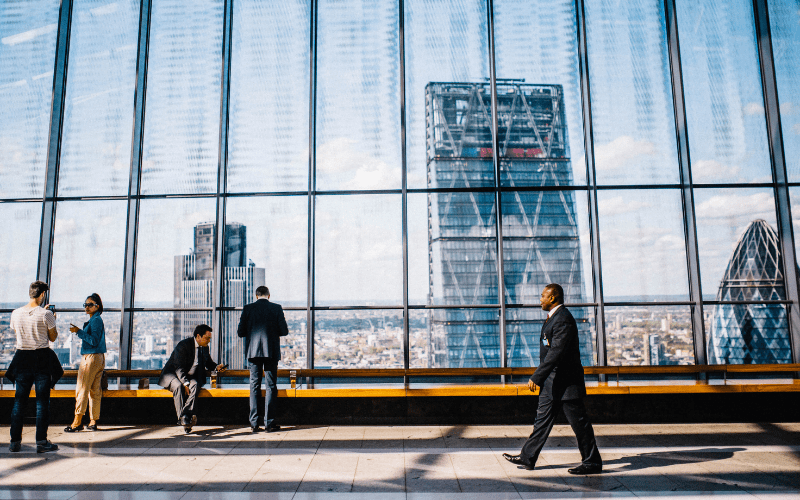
x: 560, y: 378
x: 179, y: 372
x: 262, y: 325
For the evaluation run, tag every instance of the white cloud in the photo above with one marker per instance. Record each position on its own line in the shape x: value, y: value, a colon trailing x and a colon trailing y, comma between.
x: 796, y: 128
x: 753, y: 108
x: 66, y: 227
x: 353, y: 168
x: 712, y: 170
x: 747, y: 207
x: 789, y: 108
x: 621, y: 151
x: 619, y: 205
x: 27, y: 36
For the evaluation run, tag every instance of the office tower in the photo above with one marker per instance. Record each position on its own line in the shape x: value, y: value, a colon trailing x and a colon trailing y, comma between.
x: 540, y: 229
x: 751, y: 333
x: 194, y: 287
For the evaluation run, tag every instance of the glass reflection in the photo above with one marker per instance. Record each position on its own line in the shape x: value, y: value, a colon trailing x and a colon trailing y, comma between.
x: 784, y: 19
x: 88, y: 252
x: 724, y: 101
x: 445, y: 41
x: 154, y: 336
x: 19, y: 251
x: 650, y: 336
x: 454, y: 338
x: 452, y: 249
x: 181, y: 135
x: 358, y: 339
x: 359, y: 250
x: 268, y: 138
x: 8, y: 340
x: 293, y: 346
x: 358, y: 95
x: 644, y: 252
x: 98, y: 111
x: 28, y: 31
x: 68, y: 345
x: 524, y: 330
x: 536, y: 45
x: 632, y: 110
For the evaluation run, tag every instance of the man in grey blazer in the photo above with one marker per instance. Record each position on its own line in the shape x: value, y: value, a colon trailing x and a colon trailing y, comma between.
x: 262, y: 325
x: 560, y: 377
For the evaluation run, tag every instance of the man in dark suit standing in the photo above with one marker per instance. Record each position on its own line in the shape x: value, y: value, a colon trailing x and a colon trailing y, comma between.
x: 262, y: 325
x: 560, y: 377
x: 185, y: 373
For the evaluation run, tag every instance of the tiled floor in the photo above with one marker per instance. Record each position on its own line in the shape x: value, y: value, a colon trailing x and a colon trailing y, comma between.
x: 730, y: 461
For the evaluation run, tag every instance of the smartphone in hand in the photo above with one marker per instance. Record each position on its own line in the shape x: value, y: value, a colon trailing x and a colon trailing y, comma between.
x: 52, y: 308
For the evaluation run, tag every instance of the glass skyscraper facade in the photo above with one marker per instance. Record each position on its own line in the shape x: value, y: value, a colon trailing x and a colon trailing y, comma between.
x: 621, y: 149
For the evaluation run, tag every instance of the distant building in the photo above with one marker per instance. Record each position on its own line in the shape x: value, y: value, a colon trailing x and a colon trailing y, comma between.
x: 751, y: 333
x: 540, y: 229
x: 194, y: 288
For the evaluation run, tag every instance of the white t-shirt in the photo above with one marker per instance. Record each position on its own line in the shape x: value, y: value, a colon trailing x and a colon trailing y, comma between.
x: 31, y: 325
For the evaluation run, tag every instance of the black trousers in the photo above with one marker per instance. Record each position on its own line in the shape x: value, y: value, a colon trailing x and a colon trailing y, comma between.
x: 263, y: 408
x: 577, y: 418
x: 184, y: 405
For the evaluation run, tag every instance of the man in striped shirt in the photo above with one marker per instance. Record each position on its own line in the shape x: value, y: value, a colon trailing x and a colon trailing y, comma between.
x: 36, y: 328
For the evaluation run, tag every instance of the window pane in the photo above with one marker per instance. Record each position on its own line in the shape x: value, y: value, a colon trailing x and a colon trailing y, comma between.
x: 536, y: 42
x: 748, y: 334
x: 524, y: 330
x: 736, y: 233
x: 358, y: 339
x: 445, y: 41
x: 88, y: 252
x: 546, y: 240
x: 8, y: 341
x: 18, y: 254
x: 454, y: 338
x: 293, y: 346
x: 722, y: 82
x: 98, y: 112
x: 643, y: 248
x: 359, y: 250
x: 181, y: 135
x: 452, y: 249
x: 358, y: 95
x: 176, y: 238
x: 28, y: 31
x: 154, y: 336
x: 266, y: 244
x: 68, y: 346
x: 651, y: 336
x: 784, y: 18
x: 268, y: 142
x: 632, y: 110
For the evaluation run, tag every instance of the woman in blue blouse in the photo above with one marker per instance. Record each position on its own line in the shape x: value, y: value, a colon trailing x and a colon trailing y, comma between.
x: 93, y: 350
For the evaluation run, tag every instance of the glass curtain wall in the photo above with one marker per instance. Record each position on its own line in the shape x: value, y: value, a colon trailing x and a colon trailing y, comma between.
x: 403, y: 175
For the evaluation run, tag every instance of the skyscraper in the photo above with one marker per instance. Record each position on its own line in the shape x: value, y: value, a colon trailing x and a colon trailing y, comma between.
x: 751, y: 333
x: 194, y: 286
x: 540, y: 230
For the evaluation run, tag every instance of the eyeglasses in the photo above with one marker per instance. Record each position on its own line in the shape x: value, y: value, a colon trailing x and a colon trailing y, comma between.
x: 89, y: 304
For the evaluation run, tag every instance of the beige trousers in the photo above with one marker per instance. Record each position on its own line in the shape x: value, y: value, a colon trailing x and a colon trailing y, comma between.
x: 88, y: 389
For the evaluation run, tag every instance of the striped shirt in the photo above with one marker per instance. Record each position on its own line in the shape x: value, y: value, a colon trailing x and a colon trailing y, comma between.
x: 31, y: 325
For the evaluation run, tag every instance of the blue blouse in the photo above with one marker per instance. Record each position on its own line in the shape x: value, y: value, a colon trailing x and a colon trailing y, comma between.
x: 93, y: 336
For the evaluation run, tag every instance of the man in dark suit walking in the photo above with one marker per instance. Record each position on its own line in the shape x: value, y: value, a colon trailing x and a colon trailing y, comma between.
x: 185, y: 373
x: 262, y: 325
x: 560, y: 377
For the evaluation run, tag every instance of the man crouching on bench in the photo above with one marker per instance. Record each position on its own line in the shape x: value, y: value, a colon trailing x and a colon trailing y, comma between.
x: 185, y: 373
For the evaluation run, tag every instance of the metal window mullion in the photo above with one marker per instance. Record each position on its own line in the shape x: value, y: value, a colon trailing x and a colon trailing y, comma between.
x: 222, y: 175
x: 54, y: 142
x: 134, y: 189
x: 501, y: 295
x: 779, y: 175
x: 588, y: 141
x: 312, y: 183
x: 404, y: 181
x: 687, y: 191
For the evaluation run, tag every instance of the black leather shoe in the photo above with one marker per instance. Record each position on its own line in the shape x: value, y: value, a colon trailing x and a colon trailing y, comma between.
x: 69, y: 428
x: 255, y: 429
x: 586, y: 469
x: 273, y: 428
x: 91, y: 427
x: 189, y: 423
x: 518, y: 460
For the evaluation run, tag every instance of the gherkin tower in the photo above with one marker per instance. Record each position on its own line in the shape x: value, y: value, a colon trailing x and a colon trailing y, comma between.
x: 752, y: 333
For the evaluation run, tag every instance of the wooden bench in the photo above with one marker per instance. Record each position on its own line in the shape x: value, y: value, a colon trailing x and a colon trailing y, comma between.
x: 503, y: 388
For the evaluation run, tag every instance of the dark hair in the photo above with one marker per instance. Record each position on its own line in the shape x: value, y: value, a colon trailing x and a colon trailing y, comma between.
x: 37, y: 288
x: 557, y: 291
x: 262, y: 291
x: 201, y: 330
x: 97, y: 300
